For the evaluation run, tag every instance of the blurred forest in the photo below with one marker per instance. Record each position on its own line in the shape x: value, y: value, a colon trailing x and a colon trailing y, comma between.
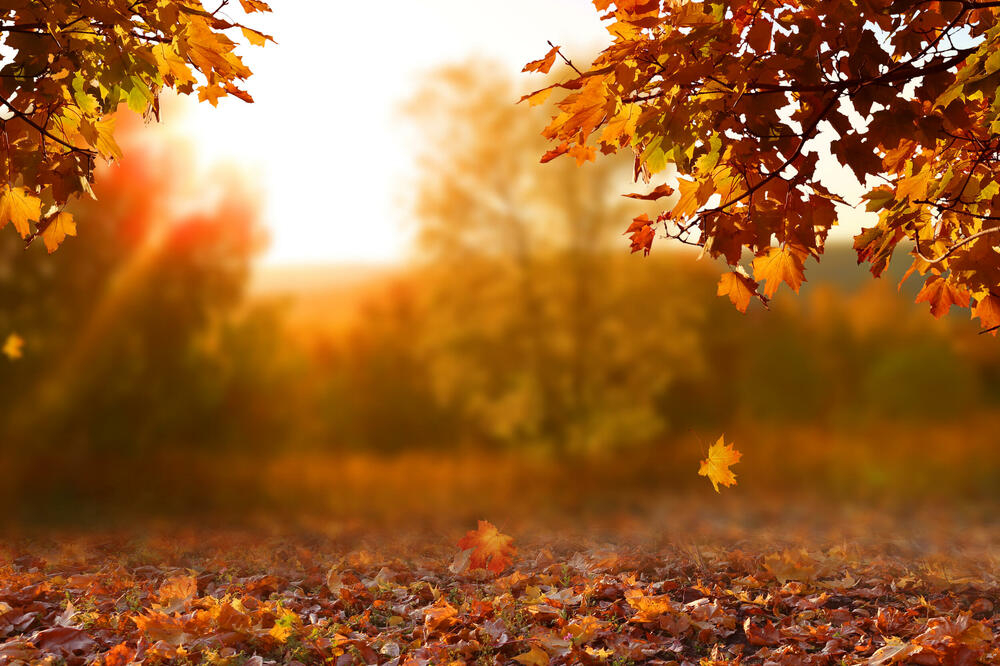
x: 523, y: 356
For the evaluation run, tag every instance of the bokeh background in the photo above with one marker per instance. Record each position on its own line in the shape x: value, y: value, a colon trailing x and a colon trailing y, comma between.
x: 505, y: 357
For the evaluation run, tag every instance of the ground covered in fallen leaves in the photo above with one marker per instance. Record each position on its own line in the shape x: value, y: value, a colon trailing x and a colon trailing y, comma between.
x: 210, y: 597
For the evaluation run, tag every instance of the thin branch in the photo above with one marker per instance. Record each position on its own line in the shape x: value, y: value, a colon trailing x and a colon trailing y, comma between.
x: 565, y: 59
x: 26, y: 118
x: 954, y: 248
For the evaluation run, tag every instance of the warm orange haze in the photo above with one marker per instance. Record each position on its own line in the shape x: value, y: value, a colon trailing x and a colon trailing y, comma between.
x: 376, y: 369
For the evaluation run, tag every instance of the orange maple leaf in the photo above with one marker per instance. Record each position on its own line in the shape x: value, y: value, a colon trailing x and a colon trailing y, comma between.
x: 543, y: 65
x: 780, y: 264
x: 942, y: 295
x: 642, y: 234
x: 988, y: 311
x: 739, y: 288
x: 491, y: 550
x: 716, y: 467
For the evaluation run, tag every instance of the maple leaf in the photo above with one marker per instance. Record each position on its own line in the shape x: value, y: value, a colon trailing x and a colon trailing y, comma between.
x: 119, y: 655
x: 56, y: 231
x: 716, y: 466
x: 544, y: 64
x: 780, y: 264
x: 987, y: 309
x: 20, y: 207
x: 175, y: 592
x: 13, y: 346
x: 739, y: 288
x: 941, y: 295
x: 642, y: 234
x: 441, y: 616
x: 491, y: 550
x: 536, y: 656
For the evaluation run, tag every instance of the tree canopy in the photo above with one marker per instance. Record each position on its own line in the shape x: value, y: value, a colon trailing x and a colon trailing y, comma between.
x: 748, y: 98
x: 67, y: 66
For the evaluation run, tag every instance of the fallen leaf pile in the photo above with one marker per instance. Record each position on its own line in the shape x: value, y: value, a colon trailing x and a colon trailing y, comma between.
x: 305, y: 602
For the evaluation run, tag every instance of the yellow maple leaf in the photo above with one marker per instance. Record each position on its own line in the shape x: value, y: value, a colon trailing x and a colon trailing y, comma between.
x: 536, y: 656
x: 739, y: 288
x: 12, y: 347
x: 19, y: 206
x: 716, y: 466
x: 62, y: 225
x: 780, y: 264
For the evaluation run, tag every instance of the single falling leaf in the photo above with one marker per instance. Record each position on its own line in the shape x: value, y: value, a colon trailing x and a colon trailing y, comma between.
x: 61, y: 226
x: 716, y: 467
x: 491, y: 550
x: 13, y: 347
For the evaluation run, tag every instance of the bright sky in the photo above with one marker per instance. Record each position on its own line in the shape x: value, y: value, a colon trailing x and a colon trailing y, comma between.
x: 324, y: 140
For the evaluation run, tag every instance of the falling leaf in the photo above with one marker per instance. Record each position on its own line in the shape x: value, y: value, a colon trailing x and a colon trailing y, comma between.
x: 13, y: 347
x: 491, y: 550
x: 716, y: 467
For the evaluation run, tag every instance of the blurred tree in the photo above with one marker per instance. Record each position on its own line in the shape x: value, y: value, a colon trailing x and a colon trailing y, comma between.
x: 129, y: 348
x: 539, y: 329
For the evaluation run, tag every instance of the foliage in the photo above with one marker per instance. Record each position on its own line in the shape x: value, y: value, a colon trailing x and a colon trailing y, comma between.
x: 219, y: 600
x: 744, y: 98
x: 68, y: 67
x: 527, y: 341
x: 120, y: 356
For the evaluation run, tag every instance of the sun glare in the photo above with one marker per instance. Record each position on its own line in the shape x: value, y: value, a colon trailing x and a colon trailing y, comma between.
x: 325, y: 137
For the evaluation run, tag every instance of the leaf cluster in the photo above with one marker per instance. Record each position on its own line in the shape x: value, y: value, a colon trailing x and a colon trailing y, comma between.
x: 739, y: 99
x: 71, y: 65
